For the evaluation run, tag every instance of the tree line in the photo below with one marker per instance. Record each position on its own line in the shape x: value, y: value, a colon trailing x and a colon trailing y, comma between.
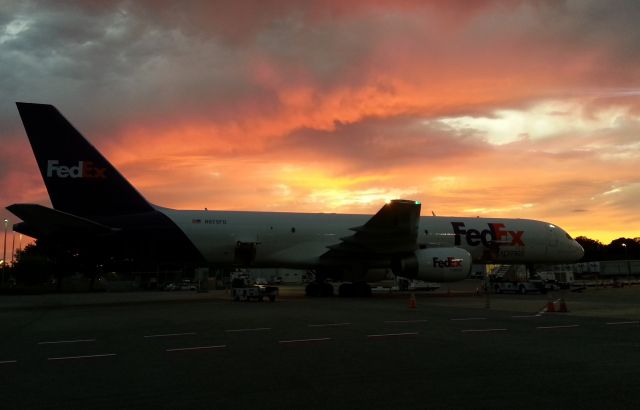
x: 618, y: 249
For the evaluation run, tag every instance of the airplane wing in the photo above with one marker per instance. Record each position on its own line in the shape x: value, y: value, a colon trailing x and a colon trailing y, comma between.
x: 40, y: 221
x: 393, y: 230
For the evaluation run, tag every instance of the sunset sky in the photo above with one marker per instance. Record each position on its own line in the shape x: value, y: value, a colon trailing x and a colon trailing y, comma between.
x: 526, y: 109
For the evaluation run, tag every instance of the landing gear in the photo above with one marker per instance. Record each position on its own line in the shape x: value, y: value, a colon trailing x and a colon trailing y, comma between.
x: 319, y: 289
x: 357, y: 289
x: 345, y: 290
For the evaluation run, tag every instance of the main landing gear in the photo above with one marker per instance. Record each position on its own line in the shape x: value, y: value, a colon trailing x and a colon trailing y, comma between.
x: 357, y: 289
x: 319, y: 289
x: 324, y: 289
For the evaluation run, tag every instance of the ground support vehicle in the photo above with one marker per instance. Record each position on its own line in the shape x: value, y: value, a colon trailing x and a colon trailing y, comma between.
x: 518, y: 287
x: 243, y: 291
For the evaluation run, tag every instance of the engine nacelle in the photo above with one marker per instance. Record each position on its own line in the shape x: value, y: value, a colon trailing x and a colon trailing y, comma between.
x: 435, y: 265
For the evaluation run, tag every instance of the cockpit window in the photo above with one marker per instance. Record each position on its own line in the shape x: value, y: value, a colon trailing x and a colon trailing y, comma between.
x: 568, y: 236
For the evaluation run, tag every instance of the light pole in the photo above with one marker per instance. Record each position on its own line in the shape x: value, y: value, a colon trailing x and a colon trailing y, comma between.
x: 4, y: 253
x: 626, y: 257
x: 13, y: 246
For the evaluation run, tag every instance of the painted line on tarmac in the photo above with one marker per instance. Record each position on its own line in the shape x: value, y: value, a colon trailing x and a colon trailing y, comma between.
x: 406, y: 321
x: 483, y: 330
x: 172, y: 334
x: 557, y: 327
x: 183, y: 349
x: 8, y: 361
x: 392, y: 335
x: 82, y: 357
x: 67, y: 341
x: 330, y: 324
x: 470, y: 318
x: 255, y: 329
x: 319, y: 339
x: 632, y: 322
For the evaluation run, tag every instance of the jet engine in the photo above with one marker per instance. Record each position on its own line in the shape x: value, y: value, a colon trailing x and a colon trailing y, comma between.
x: 435, y: 265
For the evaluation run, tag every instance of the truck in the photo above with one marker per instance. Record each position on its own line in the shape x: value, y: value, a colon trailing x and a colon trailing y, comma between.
x: 414, y: 284
x: 561, y: 279
x: 243, y: 290
x: 521, y: 287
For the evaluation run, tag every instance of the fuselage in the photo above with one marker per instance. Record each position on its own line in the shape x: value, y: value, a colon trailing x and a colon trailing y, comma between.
x: 298, y: 240
x: 95, y: 206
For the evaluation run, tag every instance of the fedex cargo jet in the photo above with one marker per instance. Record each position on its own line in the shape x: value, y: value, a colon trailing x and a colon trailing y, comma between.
x: 93, y: 202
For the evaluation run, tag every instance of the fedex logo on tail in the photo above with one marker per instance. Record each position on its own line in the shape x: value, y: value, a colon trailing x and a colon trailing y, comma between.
x: 83, y: 169
x: 495, y: 235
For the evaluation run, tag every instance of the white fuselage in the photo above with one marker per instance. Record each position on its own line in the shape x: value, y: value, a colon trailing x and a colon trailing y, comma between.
x: 297, y: 240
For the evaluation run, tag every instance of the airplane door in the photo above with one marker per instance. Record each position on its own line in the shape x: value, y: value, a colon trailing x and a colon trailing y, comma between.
x: 245, y: 249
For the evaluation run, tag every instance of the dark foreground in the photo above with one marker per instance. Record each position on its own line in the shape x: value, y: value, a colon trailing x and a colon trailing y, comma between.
x: 203, y: 351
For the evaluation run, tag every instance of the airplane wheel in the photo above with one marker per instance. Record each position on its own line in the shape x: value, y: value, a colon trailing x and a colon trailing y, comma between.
x: 361, y: 289
x: 346, y: 290
x: 315, y: 289
x: 311, y: 289
x: 327, y: 289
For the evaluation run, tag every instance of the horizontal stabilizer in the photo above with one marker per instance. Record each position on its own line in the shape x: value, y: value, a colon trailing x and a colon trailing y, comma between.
x: 40, y: 221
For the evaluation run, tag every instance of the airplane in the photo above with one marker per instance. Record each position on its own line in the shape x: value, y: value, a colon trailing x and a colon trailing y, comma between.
x: 93, y: 203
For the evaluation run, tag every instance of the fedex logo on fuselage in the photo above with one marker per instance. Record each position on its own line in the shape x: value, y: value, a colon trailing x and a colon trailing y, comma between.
x: 83, y: 169
x: 495, y: 235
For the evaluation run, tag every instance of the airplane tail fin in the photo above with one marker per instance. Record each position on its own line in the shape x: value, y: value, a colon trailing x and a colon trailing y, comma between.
x: 80, y: 181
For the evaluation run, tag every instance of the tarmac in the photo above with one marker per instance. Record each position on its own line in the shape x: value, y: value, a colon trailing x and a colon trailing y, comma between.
x: 455, y: 349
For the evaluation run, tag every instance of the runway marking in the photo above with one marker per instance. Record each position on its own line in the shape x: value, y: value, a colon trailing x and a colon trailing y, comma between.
x: 406, y: 321
x: 82, y: 357
x: 557, y: 327
x: 182, y: 349
x: 8, y: 361
x: 67, y: 341
x: 330, y: 324
x: 470, y: 318
x: 392, y: 335
x: 255, y: 329
x: 320, y: 339
x: 484, y: 330
x: 172, y: 334
x: 633, y: 322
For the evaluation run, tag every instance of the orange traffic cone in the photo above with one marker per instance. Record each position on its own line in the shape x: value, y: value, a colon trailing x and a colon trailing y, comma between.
x: 551, y: 307
x: 412, y: 301
x: 562, y: 305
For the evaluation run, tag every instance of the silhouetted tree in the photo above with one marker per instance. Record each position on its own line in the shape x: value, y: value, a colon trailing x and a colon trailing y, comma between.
x: 32, y: 266
x: 593, y: 249
x: 623, y: 248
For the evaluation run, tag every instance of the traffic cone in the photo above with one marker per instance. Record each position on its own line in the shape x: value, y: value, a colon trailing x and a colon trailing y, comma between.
x: 551, y: 307
x: 562, y: 306
x: 412, y: 301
